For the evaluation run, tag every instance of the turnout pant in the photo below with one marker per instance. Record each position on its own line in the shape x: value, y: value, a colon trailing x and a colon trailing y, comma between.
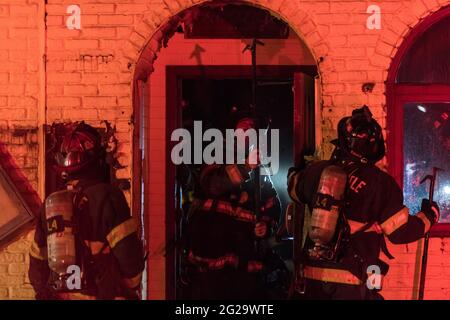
x: 225, y: 285
x: 318, y: 290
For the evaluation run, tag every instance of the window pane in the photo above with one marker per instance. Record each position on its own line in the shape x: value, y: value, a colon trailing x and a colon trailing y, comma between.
x: 13, y: 213
x: 8, y: 207
x: 427, y: 145
x: 427, y: 61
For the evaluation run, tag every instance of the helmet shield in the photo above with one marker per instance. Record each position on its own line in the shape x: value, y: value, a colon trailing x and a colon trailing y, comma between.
x: 80, y: 147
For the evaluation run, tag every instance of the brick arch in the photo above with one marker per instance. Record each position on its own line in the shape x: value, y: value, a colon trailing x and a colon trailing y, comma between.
x: 142, y: 49
x: 149, y: 34
x: 397, y: 30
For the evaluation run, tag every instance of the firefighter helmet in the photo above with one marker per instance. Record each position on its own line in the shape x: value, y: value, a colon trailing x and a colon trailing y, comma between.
x: 361, y: 135
x: 237, y: 115
x: 80, y: 148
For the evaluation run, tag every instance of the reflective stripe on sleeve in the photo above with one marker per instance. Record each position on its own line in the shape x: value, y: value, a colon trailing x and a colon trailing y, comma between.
x: 234, y: 174
x: 227, y: 208
x: 396, y: 221
x: 214, y: 263
x: 355, y: 225
x: 426, y: 222
x: 133, y: 282
x: 121, y: 231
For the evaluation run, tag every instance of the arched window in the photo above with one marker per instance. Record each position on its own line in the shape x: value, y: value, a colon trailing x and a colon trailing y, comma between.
x: 418, y: 95
x: 428, y: 59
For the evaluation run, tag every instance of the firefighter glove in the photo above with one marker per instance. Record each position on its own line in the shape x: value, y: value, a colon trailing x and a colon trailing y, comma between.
x: 431, y: 210
x: 261, y: 229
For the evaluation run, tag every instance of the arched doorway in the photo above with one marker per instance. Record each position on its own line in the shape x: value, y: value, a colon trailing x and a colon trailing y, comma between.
x: 205, y: 65
x: 418, y: 96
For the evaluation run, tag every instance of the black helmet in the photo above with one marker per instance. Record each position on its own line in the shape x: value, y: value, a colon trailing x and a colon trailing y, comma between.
x: 236, y: 115
x: 360, y: 135
x: 80, y: 149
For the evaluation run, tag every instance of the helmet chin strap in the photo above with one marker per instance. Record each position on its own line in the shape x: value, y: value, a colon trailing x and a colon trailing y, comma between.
x: 357, y: 157
x: 355, y: 154
x: 71, y: 184
x: 360, y: 157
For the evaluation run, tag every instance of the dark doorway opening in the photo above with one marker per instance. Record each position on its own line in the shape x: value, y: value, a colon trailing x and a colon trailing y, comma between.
x: 211, y: 101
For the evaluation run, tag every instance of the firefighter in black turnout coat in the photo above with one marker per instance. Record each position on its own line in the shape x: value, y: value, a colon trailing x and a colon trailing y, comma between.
x: 341, y: 249
x: 88, y: 226
x: 223, y: 230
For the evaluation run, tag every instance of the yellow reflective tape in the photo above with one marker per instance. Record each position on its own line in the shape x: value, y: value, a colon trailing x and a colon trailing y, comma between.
x: 331, y: 275
x: 38, y: 252
x: 96, y: 246
x: 234, y: 174
x: 75, y: 296
x: 254, y: 266
x: 375, y: 228
x: 121, y: 231
x: 80, y: 296
x: 133, y: 282
x: 355, y: 225
x: 396, y: 221
x: 214, y: 263
x: 269, y: 203
x: 228, y: 209
x: 243, y: 198
x: 293, y: 187
x: 426, y: 222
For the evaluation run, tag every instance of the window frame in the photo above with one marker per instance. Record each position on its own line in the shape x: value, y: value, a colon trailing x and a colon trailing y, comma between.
x: 22, y: 220
x: 398, y: 94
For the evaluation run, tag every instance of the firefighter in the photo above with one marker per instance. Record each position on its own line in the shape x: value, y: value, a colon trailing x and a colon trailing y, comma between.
x: 85, y: 231
x: 354, y: 205
x: 225, y: 238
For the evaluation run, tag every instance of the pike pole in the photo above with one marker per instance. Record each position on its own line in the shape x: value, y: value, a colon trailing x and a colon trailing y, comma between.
x: 257, y: 172
x: 423, y: 270
x: 257, y: 177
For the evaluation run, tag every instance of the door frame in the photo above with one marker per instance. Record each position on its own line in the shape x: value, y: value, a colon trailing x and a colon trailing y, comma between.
x: 174, y: 75
x: 399, y: 96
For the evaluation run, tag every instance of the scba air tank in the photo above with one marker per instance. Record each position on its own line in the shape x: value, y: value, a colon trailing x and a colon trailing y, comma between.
x: 60, y: 233
x: 326, y: 208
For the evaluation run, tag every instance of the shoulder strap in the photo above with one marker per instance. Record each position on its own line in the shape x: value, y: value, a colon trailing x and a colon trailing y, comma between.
x: 385, y: 249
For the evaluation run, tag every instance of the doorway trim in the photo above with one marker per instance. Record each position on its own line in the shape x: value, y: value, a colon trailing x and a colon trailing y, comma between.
x: 174, y: 75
